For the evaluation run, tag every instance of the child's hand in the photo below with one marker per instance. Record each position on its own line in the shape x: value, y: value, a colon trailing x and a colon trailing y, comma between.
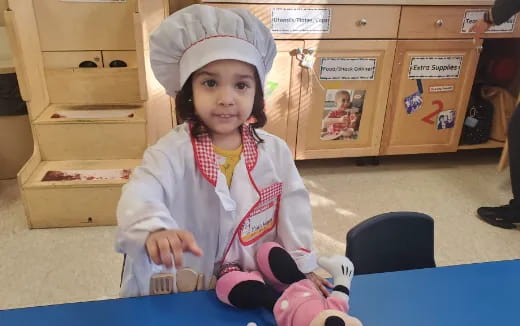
x: 320, y: 283
x: 161, y: 244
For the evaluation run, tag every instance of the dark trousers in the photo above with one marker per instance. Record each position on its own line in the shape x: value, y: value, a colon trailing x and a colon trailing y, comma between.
x: 514, y: 155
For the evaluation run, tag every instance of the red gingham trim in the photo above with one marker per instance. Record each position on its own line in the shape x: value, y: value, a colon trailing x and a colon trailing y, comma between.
x: 250, y: 149
x: 205, y: 157
x: 267, y: 198
x: 225, y: 35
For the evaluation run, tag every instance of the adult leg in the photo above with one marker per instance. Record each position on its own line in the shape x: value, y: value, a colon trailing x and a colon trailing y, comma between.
x: 506, y: 216
x: 514, y: 158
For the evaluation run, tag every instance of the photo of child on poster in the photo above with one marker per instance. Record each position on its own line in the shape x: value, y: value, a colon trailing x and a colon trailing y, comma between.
x: 446, y: 119
x: 342, y: 114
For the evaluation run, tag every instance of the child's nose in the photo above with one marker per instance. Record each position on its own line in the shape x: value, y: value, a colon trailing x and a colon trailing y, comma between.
x: 225, y: 96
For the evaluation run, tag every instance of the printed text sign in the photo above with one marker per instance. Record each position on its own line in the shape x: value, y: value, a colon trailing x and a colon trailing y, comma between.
x: 309, y: 20
x: 348, y: 68
x: 435, y: 67
x: 471, y: 16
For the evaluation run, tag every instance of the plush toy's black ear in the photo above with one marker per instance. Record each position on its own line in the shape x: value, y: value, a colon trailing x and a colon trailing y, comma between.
x: 253, y: 294
x: 284, y: 267
x: 334, y: 321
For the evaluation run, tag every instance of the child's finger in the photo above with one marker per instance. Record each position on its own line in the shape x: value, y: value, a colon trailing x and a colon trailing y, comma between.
x: 164, y: 252
x: 176, y: 248
x: 153, y: 252
x: 323, y: 290
x: 189, y: 243
x: 327, y: 283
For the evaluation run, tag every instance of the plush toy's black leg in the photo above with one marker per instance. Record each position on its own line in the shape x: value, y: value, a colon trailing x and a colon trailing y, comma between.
x: 253, y: 294
x: 284, y: 267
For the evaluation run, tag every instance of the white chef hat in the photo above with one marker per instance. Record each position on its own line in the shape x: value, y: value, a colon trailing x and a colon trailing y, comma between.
x: 197, y: 35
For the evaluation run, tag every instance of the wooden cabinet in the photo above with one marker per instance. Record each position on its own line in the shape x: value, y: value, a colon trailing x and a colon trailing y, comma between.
x: 445, y: 22
x: 90, y: 124
x: 429, y: 92
x: 337, y: 21
x: 67, y: 26
x: 282, y: 91
x: 343, y: 99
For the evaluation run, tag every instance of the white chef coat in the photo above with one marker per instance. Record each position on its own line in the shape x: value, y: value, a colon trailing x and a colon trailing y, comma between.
x: 179, y: 186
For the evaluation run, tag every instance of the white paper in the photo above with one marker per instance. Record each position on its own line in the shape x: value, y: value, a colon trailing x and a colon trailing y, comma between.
x: 435, y: 67
x: 472, y: 15
x: 300, y: 20
x: 348, y: 68
x: 441, y: 88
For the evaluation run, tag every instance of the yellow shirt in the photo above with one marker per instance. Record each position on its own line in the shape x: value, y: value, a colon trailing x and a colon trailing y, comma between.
x: 227, y: 160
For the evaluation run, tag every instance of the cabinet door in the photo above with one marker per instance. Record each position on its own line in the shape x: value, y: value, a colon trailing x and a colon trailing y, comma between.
x: 430, y: 88
x: 282, y: 91
x: 343, y: 98
x: 82, y: 25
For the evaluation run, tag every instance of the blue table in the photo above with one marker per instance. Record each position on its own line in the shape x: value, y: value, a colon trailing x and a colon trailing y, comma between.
x: 476, y: 294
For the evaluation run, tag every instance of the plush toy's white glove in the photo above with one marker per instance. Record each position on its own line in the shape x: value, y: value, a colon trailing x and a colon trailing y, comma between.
x: 342, y: 270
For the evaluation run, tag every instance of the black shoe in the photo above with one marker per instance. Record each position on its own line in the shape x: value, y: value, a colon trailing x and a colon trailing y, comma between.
x: 502, y: 216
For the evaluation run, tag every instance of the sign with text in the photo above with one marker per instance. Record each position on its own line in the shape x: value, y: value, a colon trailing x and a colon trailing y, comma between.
x: 348, y: 68
x: 300, y: 20
x: 471, y: 16
x: 441, y: 88
x: 435, y: 67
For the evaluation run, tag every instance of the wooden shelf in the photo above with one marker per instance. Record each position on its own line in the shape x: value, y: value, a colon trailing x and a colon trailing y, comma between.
x: 488, y: 144
x: 95, y: 166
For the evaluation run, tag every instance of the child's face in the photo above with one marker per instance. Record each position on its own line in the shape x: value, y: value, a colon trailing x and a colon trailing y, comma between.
x: 342, y: 101
x: 223, y: 95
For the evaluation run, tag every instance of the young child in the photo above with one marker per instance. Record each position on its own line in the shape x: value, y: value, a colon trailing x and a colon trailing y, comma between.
x: 338, y: 120
x: 215, y: 188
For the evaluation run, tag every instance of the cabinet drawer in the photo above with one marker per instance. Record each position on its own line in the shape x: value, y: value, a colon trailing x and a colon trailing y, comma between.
x: 422, y: 22
x: 71, y: 59
x: 68, y: 26
x: 128, y: 57
x: 352, y: 21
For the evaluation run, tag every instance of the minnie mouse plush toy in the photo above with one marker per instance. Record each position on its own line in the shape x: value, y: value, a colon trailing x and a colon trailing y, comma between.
x: 301, y: 303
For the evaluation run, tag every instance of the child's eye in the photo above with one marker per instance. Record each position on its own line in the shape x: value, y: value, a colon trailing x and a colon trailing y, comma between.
x: 242, y: 85
x: 209, y: 83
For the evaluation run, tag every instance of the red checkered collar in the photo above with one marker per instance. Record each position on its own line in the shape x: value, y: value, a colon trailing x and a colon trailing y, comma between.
x: 206, y: 159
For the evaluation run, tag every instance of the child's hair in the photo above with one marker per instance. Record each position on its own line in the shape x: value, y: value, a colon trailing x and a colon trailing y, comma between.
x: 185, y: 110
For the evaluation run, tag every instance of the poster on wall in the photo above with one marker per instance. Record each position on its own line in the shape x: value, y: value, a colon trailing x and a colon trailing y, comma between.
x: 342, y: 113
x: 435, y: 67
x: 471, y: 16
x: 300, y: 20
x: 446, y: 120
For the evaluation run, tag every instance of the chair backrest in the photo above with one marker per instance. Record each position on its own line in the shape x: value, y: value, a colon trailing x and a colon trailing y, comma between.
x: 391, y: 242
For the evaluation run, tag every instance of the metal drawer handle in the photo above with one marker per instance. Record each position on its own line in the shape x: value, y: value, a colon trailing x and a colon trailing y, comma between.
x: 88, y: 64
x: 362, y: 22
x: 439, y: 22
x: 118, y: 64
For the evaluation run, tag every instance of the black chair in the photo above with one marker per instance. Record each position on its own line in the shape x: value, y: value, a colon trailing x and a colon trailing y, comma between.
x: 391, y: 242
